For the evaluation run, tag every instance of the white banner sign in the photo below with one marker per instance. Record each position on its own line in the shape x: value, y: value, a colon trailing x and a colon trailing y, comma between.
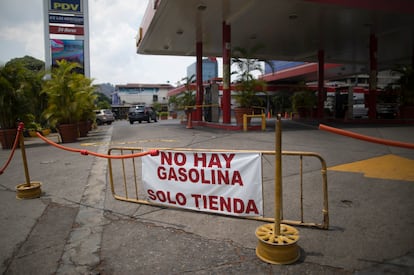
x: 220, y: 182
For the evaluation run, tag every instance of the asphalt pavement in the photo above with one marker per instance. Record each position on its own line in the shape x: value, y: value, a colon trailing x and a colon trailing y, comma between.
x: 78, y: 227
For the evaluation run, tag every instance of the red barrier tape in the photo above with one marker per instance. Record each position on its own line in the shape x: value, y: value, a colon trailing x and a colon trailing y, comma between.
x: 16, y: 141
x: 366, y: 138
x: 86, y: 152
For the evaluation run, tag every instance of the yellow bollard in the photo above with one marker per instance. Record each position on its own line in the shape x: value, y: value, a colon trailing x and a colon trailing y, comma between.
x: 263, y: 122
x: 278, y: 242
x: 189, y: 120
x: 245, y: 122
x: 30, y: 189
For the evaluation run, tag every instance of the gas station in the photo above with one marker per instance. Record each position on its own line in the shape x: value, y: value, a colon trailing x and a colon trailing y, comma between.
x: 365, y: 36
x: 82, y: 224
x: 358, y: 36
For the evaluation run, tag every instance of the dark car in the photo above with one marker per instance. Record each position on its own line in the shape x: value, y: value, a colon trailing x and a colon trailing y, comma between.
x: 387, y: 110
x: 141, y: 113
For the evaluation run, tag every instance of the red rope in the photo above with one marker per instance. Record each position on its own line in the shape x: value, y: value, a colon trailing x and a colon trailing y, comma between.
x: 366, y: 138
x: 16, y: 140
x: 86, y: 152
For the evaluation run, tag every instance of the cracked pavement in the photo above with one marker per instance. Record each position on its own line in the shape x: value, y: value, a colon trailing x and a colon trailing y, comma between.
x: 77, y: 227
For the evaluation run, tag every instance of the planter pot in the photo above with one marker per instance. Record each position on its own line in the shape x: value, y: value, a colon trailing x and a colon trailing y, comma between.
x: 407, y: 112
x: 32, y: 133
x: 304, y: 112
x: 163, y: 117
x: 239, y: 112
x: 46, y: 132
x: 84, y: 127
x: 7, y: 137
x: 68, y: 132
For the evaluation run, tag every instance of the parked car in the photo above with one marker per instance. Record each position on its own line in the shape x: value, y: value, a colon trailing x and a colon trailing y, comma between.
x: 359, y: 109
x: 387, y: 110
x: 104, y: 116
x: 141, y: 113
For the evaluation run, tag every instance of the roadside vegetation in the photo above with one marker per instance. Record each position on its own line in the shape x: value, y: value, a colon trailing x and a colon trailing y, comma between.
x: 27, y: 94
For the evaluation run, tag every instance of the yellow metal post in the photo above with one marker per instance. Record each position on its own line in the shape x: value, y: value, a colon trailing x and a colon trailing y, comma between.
x: 22, y: 149
x: 28, y: 190
x: 278, y: 175
x: 189, y: 119
x: 278, y: 242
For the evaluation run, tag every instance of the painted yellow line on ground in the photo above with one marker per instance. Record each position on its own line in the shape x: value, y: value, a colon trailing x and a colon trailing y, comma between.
x: 385, y: 167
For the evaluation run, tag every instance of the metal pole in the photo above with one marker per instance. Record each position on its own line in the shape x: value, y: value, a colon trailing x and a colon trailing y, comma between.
x: 278, y: 175
x: 301, y: 188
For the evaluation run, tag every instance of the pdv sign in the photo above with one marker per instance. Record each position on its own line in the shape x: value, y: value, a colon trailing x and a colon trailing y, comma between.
x: 65, y: 6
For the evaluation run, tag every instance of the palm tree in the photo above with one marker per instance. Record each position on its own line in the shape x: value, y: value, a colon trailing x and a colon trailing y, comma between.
x: 64, y: 91
x: 247, y: 65
x: 188, y: 100
x: 70, y: 96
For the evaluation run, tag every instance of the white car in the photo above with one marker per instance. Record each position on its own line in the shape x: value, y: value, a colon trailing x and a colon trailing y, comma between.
x: 359, y: 110
x: 104, y: 116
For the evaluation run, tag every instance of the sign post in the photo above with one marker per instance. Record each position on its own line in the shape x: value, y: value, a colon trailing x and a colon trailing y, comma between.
x: 66, y: 30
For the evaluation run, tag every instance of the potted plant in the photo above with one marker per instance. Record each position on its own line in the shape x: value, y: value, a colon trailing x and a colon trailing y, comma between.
x: 163, y: 115
x: 13, y: 102
x: 406, y: 84
x: 172, y: 106
x: 32, y: 127
x: 185, y: 101
x: 247, y: 84
x: 66, y: 92
x: 85, y: 96
x: 303, y: 102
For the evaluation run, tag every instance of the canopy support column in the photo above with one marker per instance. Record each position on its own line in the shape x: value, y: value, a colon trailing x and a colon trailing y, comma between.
x: 321, y: 81
x: 226, y: 98
x: 373, y: 69
x: 199, y: 81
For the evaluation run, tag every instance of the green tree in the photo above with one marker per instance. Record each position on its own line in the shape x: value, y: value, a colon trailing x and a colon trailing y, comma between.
x: 29, y: 62
x: 14, y: 89
x: 102, y: 101
x: 24, y: 76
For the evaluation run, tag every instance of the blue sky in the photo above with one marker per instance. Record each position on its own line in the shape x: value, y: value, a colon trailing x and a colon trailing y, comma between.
x: 113, y: 28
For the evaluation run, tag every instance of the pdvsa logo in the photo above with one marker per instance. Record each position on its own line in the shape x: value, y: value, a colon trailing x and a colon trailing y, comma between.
x: 66, y: 6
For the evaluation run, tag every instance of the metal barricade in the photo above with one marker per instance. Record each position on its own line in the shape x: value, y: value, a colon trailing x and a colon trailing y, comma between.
x: 125, y: 181
x: 263, y: 121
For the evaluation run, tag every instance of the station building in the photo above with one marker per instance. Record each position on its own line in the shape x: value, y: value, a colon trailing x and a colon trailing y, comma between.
x: 131, y: 94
